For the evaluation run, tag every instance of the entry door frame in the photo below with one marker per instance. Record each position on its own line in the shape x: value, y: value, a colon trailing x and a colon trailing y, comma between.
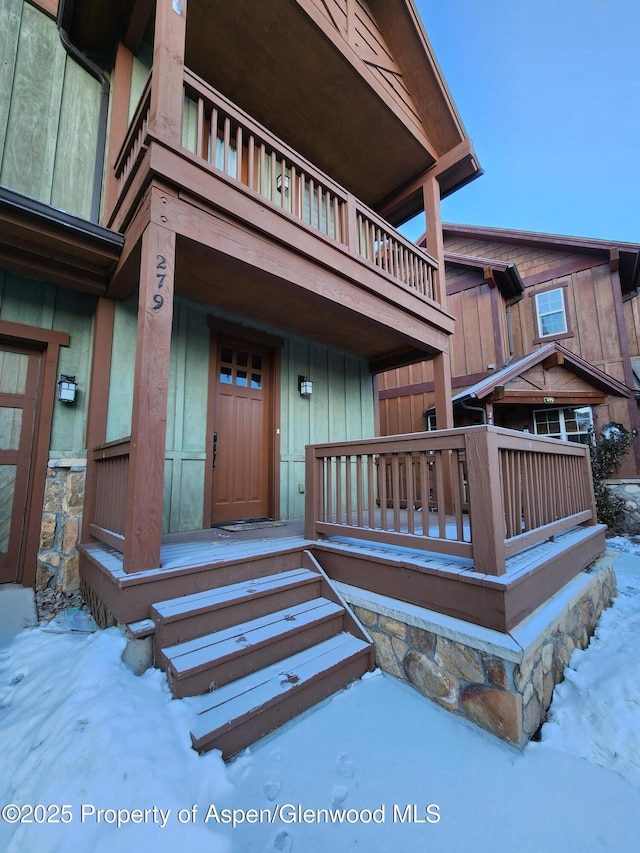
x: 48, y: 343
x: 226, y: 329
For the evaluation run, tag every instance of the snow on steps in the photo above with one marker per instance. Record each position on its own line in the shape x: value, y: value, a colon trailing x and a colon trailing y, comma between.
x: 267, y: 648
x: 205, y: 663
x: 243, y: 711
x: 191, y: 616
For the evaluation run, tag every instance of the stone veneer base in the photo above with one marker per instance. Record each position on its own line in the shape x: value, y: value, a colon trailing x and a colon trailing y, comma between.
x: 58, y: 565
x: 502, y: 682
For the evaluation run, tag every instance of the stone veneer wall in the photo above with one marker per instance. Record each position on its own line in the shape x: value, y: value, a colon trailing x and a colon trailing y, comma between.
x: 629, y: 491
x: 61, y: 525
x: 503, y: 682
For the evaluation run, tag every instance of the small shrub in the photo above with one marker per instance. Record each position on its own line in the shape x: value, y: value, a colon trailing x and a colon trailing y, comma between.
x: 606, y: 455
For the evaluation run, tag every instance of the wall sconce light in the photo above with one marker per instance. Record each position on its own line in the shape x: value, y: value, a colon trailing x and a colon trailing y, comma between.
x: 305, y: 386
x: 67, y: 388
x: 279, y: 183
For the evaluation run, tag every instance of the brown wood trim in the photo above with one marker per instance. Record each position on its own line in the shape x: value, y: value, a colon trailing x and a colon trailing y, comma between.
x: 497, y: 307
x: 634, y: 414
x: 114, y: 540
x: 564, y: 269
x: 561, y: 398
x: 429, y: 387
x: 33, y: 518
x: 465, y: 283
x: 557, y: 285
x: 19, y: 333
x: 112, y: 449
x: 49, y: 7
x: 50, y: 341
x: 119, y: 123
x: 98, y: 401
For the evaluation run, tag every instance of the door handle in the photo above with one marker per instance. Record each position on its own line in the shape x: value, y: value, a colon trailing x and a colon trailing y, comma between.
x: 215, y: 450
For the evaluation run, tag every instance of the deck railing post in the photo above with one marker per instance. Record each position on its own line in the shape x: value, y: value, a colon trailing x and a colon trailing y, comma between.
x: 485, y: 501
x: 311, y: 508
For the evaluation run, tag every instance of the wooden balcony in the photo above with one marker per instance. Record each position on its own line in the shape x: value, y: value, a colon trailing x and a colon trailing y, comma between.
x: 229, y: 166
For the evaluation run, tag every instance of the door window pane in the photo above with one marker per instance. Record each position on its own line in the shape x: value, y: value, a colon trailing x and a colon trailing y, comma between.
x: 7, y: 488
x: 13, y: 372
x: 10, y: 428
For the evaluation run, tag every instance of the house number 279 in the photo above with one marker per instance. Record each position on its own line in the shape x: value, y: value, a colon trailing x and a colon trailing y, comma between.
x: 161, y: 266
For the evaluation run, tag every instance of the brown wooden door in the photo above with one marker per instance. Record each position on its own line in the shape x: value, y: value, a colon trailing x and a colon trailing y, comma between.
x: 19, y: 373
x: 241, y: 425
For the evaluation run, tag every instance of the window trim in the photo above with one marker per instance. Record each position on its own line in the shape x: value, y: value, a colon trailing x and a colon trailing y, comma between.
x: 561, y: 420
x: 538, y: 338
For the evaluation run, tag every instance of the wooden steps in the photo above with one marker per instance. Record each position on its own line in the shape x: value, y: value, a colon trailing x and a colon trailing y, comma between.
x: 249, y: 708
x: 262, y: 651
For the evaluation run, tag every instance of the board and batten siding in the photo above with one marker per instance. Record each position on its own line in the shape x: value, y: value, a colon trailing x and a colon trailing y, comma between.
x: 341, y: 407
x: 49, y: 111
x: 36, y: 303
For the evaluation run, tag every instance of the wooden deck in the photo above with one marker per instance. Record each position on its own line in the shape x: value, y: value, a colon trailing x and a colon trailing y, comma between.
x: 206, y: 559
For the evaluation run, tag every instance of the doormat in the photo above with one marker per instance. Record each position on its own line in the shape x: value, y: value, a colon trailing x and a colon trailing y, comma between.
x: 239, y: 526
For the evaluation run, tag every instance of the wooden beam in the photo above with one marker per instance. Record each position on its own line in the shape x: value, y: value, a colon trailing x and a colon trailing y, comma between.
x: 433, y: 238
x: 143, y: 529
x: 547, y: 398
x: 165, y: 114
x: 556, y: 359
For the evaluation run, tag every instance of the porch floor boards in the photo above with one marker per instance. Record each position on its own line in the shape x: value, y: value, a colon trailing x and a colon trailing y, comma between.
x: 196, y: 548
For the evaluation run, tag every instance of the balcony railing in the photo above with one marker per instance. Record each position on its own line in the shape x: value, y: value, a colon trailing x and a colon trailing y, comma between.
x: 483, y: 493
x: 231, y: 142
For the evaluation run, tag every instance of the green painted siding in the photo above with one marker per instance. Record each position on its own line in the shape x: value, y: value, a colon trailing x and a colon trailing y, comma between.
x: 340, y: 408
x: 123, y: 357
x: 186, y: 418
x: 49, y: 108
x: 36, y: 303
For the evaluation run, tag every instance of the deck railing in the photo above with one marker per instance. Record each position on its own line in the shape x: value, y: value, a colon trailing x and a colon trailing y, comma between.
x: 112, y: 474
x: 231, y: 142
x: 135, y: 142
x: 482, y: 492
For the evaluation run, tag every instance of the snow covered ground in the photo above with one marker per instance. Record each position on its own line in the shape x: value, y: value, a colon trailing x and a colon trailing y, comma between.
x: 93, y: 758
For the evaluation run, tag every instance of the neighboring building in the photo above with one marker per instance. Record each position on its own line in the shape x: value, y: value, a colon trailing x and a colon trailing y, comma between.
x: 546, y: 337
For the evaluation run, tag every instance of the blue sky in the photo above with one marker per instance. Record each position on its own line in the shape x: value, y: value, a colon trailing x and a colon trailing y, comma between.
x: 549, y: 91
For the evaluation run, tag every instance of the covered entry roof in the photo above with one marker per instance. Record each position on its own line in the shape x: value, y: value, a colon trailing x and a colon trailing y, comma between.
x: 552, y: 355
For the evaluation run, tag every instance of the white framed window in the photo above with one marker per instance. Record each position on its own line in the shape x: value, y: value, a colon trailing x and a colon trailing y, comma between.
x: 568, y: 423
x: 551, y: 313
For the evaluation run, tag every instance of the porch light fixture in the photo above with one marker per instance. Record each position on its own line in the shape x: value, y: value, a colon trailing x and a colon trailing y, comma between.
x: 67, y: 388
x: 305, y: 386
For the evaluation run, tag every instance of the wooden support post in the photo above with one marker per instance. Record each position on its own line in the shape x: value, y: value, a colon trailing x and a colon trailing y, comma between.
x: 434, y: 242
x: 98, y: 402
x: 145, y: 492
x: 165, y: 115
x: 118, y: 125
x: 311, y: 507
x: 485, y: 501
x: 444, y: 420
